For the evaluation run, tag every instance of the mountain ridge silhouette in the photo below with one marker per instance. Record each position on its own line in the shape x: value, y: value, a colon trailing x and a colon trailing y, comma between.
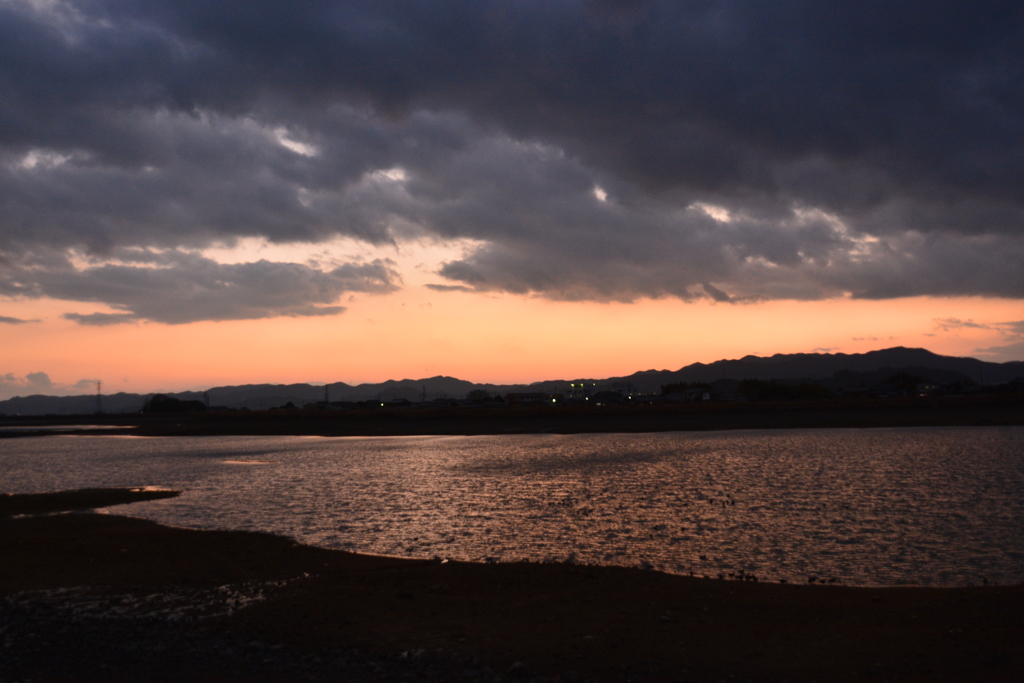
x: 798, y: 366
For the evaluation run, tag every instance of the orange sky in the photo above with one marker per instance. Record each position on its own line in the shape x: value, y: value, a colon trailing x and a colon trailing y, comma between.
x: 418, y: 332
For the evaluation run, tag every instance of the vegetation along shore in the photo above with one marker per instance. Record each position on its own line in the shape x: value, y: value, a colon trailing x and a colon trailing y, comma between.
x: 928, y: 411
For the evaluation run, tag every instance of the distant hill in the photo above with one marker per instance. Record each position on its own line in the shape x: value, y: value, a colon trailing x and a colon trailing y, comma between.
x: 821, y: 366
x: 837, y: 370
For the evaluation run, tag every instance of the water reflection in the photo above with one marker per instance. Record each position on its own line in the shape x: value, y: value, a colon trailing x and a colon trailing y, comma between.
x: 863, y: 507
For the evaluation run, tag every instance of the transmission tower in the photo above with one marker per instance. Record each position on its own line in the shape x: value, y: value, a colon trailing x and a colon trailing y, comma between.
x: 99, y: 397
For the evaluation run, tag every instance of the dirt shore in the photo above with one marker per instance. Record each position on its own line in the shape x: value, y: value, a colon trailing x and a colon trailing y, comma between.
x: 13, y: 504
x: 104, y: 597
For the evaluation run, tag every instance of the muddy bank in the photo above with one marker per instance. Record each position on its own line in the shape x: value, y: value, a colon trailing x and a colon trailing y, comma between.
x: 12, y: 504
x: 151, y: 602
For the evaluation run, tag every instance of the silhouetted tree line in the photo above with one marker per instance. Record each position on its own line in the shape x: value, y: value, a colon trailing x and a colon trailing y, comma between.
x: 771, y: 390
x: 680, y: 387
x: 904, y: 381
x: 160, y: 403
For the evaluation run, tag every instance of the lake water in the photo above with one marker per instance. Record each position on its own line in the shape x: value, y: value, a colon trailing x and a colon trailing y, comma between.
x: 926, y: 506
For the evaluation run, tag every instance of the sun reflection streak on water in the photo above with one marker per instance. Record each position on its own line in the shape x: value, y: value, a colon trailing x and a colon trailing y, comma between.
x: 865, y: 507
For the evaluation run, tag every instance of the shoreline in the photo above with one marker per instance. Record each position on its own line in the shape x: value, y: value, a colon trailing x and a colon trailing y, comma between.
x: 319, y: 614
x: 859, y: 413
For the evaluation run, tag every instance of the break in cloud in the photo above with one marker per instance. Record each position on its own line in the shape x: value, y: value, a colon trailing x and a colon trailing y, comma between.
x: 601, y: 150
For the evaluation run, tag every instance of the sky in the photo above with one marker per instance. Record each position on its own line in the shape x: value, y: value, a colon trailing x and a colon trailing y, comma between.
x: 203, y: 193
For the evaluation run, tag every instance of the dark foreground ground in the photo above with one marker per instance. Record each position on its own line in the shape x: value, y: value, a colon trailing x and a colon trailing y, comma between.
x: 102, y: 597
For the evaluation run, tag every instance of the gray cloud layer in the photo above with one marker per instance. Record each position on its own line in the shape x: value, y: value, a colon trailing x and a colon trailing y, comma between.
x: 8, y: 320
x: 597, y: 150
x: 175, y: 287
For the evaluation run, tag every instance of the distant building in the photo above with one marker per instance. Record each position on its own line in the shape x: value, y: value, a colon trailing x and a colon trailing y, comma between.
x: 531, y: 398
x: 689, y: 395
x: 442, y: 403
x: 609, y: 398
x: 330, y: 405
x: 579, y: 391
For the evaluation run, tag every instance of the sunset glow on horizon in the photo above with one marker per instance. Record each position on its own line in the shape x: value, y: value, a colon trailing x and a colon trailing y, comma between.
x: 495, y: 338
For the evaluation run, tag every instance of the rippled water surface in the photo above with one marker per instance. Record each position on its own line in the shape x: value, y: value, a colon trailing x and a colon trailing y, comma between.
x: 934, y: 506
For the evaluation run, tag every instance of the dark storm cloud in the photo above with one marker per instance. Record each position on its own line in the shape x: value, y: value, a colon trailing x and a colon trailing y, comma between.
x: 175, y: 287
x: 607, y: 149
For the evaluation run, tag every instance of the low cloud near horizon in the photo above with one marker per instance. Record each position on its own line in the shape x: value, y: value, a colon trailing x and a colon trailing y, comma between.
x: 7, y: 320
x: 33, y: 383
x: 590, y: 150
